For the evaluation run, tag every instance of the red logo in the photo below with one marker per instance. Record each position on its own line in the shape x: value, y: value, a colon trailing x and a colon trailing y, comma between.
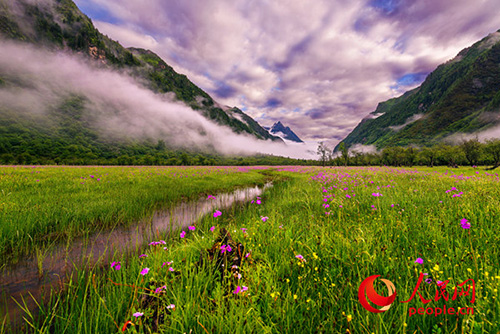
x: 367, y: 292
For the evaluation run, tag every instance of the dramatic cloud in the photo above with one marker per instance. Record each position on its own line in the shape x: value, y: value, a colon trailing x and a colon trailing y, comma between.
x: 115, y: 104
x: 318, y: 66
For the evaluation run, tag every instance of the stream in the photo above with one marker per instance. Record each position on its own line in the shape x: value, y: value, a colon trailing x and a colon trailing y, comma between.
x: 22, y: 280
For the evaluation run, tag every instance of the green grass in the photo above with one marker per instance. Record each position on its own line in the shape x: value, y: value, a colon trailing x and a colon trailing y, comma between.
x: 341, y: 249
x: 43, y: 204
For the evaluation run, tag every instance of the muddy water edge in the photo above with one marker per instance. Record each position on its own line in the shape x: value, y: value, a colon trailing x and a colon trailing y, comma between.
x: 35, y: 276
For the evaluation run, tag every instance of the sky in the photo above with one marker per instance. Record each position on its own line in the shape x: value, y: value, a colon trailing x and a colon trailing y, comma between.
x: 317, y: 66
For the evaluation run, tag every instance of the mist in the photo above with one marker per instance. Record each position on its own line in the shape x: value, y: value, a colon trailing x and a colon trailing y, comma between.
x: 117, y: 106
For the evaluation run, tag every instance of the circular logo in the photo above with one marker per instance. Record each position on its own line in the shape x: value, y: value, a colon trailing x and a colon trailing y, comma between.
x: 367, y: 293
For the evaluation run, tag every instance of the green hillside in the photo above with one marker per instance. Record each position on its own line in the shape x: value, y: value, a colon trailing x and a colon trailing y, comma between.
x: 66, y: 135
x: 460, y: 96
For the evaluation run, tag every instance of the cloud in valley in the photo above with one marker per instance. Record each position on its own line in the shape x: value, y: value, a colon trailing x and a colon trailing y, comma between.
x: 116, y: 105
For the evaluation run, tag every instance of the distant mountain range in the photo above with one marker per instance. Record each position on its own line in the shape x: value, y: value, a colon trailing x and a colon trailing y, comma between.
x: 279, y: 130
x: 58, y: 26
x: 461, y: 96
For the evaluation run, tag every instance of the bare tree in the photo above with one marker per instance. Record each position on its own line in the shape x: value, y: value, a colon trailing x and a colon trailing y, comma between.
x: 322, y: 152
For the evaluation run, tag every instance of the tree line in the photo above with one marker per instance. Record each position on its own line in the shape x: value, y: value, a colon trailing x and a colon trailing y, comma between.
x: 469, y: 152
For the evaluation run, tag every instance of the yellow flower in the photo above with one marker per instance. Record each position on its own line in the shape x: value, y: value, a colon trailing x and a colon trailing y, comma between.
x: 295, y: 296
x: 349, y: 318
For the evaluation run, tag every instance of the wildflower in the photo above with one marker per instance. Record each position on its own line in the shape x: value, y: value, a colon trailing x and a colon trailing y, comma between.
x: 300, y: 257
x: 191, y: 228
x: 144, y: 271
x: 281, y: 226
x: 183, y: 234
x: 116, y: 265
x: 377, y: 194
x: 217, y: 213
x: 138, y: 314
x: 419, y: 260
x: 244, y: 230
x: 264, y: 218
x: 428, y: 281
x: 349, y: 318
x: 465, y: 224
x: 170, y: 269
x: 143, y: 255
x: 210, y: 197
x: 248, y: 254
x: 158, y: 290
x: 171, y: 306
x: 212, y: 228
x: 240, y: 289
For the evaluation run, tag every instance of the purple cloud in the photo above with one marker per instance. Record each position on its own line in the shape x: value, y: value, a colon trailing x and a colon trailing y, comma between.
x: 331, y: 62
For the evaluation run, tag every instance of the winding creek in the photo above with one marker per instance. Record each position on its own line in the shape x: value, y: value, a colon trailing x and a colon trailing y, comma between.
x: 24, y: 279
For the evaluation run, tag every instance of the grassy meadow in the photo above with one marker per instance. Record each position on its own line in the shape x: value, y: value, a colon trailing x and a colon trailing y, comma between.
x: 39, y: 205
x: 295, y: 258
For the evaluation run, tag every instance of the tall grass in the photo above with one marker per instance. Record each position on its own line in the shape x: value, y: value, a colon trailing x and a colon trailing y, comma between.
x: 43, y: 204
x: 307, y: 259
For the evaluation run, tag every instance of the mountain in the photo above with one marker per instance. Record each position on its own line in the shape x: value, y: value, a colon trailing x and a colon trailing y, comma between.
x: 461, y: 96
x: 58, y: 27
x: 278, y: 129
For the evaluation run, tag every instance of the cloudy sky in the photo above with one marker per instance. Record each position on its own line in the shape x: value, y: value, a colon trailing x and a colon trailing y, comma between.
x: 318, y: 66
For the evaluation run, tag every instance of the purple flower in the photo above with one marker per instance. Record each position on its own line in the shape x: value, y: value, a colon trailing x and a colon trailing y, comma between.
x: 300, y: 257
x: 264, y: 218
x: 377, y: 194
x: 465, y: 224
x: 143, y: 255
x: 158, y: 290
x: 428, y: 281
x: 171, y: 269
x: 419, y: 260
x: 210, y: 197
x: 248, y: 254
x: 191, y: 228
x: 240, y: 289
x: 183, y: 234
x: 116, y: 265
x: 172, y: 306
x: 138, y: 314
x: 217, y: 213
x: 212, y: 228
x: 144, y: 271
x: 244, y: 230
